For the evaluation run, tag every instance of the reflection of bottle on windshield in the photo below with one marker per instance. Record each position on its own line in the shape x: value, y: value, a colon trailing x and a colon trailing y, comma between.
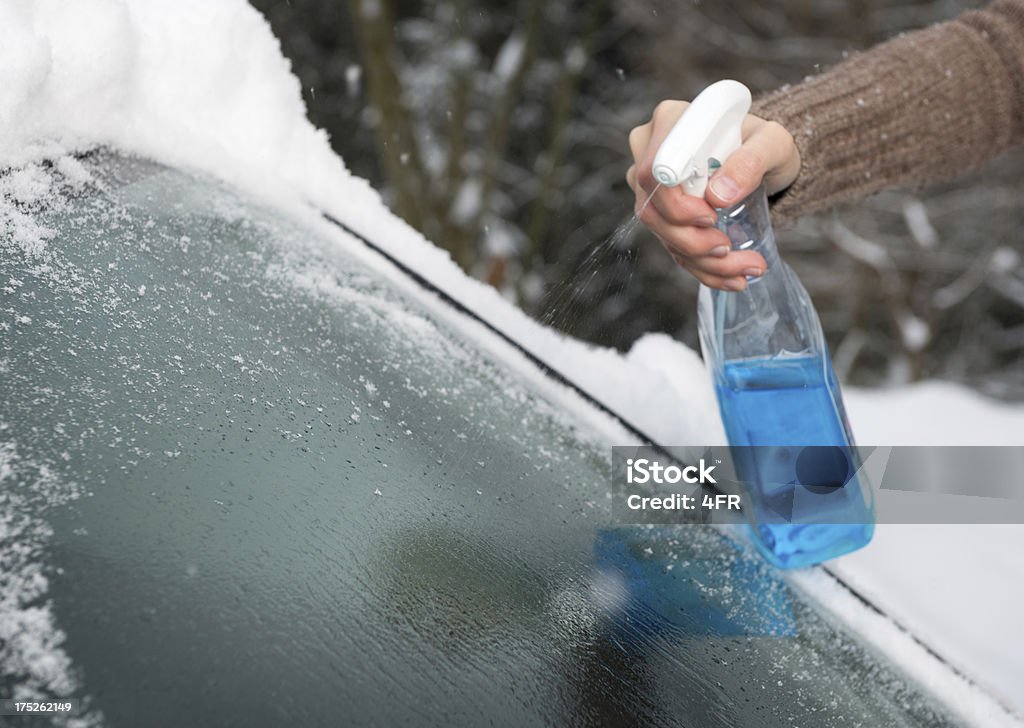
x: 712, y: 594
x: 766, y: 351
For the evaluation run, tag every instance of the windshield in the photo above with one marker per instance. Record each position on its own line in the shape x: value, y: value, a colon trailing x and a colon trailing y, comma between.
x: 249, y: 478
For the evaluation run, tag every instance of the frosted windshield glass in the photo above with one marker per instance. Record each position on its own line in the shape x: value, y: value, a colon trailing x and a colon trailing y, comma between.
x: 249, y: 480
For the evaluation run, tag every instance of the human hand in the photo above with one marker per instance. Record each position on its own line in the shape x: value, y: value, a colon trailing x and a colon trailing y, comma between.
x: 686, y: 224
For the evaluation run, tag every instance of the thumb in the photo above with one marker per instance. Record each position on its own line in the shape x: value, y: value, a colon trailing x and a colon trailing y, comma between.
x: 768, y: 150
x: 739, y: 176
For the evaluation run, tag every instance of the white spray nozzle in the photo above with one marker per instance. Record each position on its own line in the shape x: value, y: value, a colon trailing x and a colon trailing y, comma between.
x: 710, y: 128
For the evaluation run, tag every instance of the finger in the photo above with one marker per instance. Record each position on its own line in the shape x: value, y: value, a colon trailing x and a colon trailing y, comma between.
x: 726, y: 283
x: 708, y: 251
x: 738, y: 283
x: 640, y: 196
x: 735, y: 283
x: 767, y: 152
x: 744, y: 263
x: 685, y: 240
x: 638, y: 140
x: 679, y: 208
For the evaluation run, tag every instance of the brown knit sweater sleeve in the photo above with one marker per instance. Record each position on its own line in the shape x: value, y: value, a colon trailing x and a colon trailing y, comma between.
x: 917, y: 109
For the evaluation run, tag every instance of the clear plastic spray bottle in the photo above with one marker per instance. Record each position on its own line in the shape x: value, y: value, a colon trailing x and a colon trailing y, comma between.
x: 778, y: 396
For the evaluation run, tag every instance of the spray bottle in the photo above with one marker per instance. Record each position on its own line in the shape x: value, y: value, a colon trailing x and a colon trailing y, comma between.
x: 777, y: 394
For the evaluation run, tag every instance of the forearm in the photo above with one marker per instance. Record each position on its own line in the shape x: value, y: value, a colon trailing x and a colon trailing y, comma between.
x: 918, y: 109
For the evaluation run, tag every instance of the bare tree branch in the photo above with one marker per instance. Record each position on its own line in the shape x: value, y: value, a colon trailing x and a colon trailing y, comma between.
x: 396, y: 142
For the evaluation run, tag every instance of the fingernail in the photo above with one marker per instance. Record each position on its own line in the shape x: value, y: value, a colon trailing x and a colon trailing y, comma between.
x: 735, y: 284
x: 721, y: 251
x: 753, y: 272
x: 704, y: 222
x: 724, y: 187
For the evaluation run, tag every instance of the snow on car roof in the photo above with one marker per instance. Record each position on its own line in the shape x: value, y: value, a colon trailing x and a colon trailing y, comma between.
x: 203, y: 85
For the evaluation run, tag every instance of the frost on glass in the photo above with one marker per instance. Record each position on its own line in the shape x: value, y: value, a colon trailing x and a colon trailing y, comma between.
x: 283, y: 490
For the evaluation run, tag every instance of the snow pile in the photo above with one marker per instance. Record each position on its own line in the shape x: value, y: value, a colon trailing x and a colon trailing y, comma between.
x: 202, y: 84
x: 192, y: 82
x: 665, y: 368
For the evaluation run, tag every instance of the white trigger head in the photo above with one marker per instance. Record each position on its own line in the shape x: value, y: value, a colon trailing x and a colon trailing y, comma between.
x: 710, y: 128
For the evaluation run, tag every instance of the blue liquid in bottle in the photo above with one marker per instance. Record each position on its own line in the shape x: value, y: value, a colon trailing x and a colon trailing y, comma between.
x: 774, y: 411
x: 782, y: 407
